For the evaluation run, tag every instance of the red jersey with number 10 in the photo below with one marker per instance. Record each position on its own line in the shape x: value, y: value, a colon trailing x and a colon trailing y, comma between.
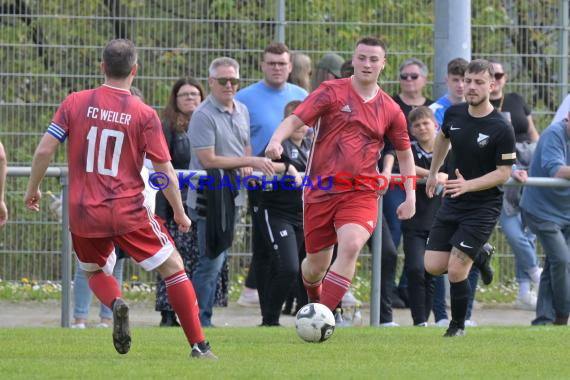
x: 108, y: 131
x: 349, y: 136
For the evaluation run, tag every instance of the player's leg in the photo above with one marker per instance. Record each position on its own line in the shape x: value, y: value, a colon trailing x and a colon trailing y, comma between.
x: 97, y: 258
x: 460, y: 289
x: 355, y: 219
x: 320, y: 237
x: 351, y: 239
x: 153, y: 248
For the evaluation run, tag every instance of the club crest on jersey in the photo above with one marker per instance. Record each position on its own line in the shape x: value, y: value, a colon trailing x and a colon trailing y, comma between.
x: 294, y: 154
x: 346, y: 109
x: 482, y: 140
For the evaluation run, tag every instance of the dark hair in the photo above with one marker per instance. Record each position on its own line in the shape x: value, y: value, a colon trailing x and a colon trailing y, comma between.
x: 171, y: 115
x: 421, y: 112
x: 347, y: 70
x: 290, y: 107
x: 372, y: 41
x: 276, y: 48
x: 480, y: 65
x: 119, y: 57
x: 457, y: 66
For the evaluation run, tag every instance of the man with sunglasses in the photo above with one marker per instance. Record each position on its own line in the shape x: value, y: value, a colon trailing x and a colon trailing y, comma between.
x: 352, y: 117
x: 265, y: 101
x: 219, y: 138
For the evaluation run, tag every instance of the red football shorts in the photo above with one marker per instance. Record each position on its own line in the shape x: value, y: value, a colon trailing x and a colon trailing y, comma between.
x: 149, y: 246
x: 323, y: 219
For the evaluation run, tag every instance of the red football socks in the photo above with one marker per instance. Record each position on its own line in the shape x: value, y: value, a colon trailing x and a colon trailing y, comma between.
x: 334, y: 288
x: 313, y: 289
x: 105, y: 287
x: 183, y: 300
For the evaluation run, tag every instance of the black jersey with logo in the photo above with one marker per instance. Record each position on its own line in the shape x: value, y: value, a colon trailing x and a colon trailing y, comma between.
x: 479, y: 145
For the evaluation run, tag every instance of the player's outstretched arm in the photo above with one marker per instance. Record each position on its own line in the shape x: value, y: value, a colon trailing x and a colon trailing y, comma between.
x: 42, y: 157
x: 3, y: 171
x: 440, y: 150
x: 283, y: 132
x: 458, y: 186
x: 172, y: 195
x: 408, y: 169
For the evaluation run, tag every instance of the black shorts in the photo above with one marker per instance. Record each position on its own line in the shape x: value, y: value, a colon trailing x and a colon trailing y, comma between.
x: 465, y: 226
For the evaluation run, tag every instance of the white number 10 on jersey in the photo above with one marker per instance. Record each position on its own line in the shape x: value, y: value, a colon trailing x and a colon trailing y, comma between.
x: 105, y: 134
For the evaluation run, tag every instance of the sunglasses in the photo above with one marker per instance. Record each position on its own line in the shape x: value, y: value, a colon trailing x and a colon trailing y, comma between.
x: 498, y: 76
x: 224, y: 81
x: 412, y: 76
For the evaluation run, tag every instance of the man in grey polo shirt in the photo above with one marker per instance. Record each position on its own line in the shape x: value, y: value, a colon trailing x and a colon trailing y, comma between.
x: 219, y: 137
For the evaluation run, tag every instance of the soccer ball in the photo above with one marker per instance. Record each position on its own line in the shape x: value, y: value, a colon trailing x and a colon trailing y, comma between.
x: 314, y: 323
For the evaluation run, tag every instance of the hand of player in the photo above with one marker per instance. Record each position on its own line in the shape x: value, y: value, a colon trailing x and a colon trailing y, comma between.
x: 520, y: 175
x: 183, y: 222
x: 456, y: 187
x: 431, y: 185
x: 32, y: 199
x: 406, y: 209
x: 294, y: 173
x: 273, y: 150
x: 3, y: 213
x: 265, y: 165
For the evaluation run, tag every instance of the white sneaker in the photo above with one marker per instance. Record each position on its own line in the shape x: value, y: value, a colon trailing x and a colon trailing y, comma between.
x: 248, y: 298
x: 350, y: 300
x: 442, y: 323
x: 102, y: 325
x: 470, y: 323
x: 79, y: 326
x: 526, y: 302
x: 423, y: 324
x: 389, y: 324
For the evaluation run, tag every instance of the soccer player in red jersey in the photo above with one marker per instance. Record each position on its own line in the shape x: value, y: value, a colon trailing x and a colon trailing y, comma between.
x: 351, y: 116
x: 109, y: 132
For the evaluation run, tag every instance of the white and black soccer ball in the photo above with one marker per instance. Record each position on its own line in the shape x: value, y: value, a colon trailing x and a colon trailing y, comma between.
x: 314, y: 323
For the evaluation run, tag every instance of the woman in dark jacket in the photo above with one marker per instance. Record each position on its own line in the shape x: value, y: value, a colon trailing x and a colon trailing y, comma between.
x: 185, y: 96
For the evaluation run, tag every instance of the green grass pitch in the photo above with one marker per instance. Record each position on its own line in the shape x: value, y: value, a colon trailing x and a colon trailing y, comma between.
x: 277, y: 353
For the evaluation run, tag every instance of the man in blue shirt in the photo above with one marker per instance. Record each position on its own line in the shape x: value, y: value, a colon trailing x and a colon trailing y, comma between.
x: 265, y: 101
x: 546, y: 210
x: 454, y: 80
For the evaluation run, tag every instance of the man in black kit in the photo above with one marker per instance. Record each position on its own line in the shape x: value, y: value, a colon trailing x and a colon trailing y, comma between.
x: 483, y: 147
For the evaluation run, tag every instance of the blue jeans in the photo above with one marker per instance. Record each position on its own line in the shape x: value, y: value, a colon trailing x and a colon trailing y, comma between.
x: 554, y: 289
x: 82, y: 294
x: 206, y: 274
x: 390, y: 203
x: 523, y: 244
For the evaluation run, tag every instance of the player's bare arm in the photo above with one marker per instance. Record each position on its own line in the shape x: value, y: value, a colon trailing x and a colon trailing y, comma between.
x: 173, y: 196
x: 42, y: 157
x: 456, y: 187
x: 408, y: 169
x: 3, y: 171
x: 209, y: 160
x: 283, y: 132
x: 440, y: 150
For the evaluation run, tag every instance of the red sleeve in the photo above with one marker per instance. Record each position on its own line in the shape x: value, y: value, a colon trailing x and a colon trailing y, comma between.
x: 59, y: 126
x: 154, y: 142
x: 398, y: 131
x: 316, y: 104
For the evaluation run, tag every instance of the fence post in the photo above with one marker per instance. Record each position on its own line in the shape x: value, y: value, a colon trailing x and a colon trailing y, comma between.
x: 65, y: 254
x: 280, y: 21
x: 563, y: 48
x: 375, y: 282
